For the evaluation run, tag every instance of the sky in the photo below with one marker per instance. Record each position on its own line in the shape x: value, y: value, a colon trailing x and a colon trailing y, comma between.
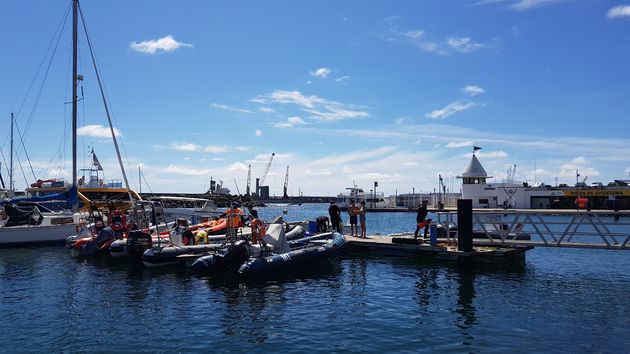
x: 343, y: 92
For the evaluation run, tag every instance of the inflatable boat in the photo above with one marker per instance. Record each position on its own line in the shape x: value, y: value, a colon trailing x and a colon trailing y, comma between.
x: 276, y: 254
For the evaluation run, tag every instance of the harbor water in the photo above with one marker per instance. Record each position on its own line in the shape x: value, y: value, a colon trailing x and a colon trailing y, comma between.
x: 558, y: 300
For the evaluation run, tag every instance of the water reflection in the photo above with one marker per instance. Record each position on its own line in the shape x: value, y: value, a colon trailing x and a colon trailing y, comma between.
x: 466, y: 309
x: 255, y: 309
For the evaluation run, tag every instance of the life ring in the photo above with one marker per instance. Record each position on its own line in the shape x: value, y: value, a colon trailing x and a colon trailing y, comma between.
x: 581, y: 202
x: 201, y: 237
x: 258, y: 230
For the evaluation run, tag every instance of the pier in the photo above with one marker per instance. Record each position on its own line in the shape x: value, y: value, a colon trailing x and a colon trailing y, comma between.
x: 443, y: 251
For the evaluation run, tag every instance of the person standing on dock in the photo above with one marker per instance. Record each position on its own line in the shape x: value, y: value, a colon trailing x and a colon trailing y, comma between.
x: 353, y: 211
x: 420, y: 219
x: 362, y: 212
x: 335, y: 216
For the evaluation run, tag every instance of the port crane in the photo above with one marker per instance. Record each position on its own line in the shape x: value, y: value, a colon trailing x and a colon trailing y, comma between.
x: 260, y: 181
x: 286, y: 184
x: 249, y: 179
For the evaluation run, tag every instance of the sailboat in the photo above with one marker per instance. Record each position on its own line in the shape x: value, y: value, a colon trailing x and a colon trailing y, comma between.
x: 23, y: 221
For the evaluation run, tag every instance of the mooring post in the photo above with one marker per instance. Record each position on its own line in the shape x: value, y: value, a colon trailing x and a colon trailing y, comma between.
x: 433, y: 234
x: 464, y: 225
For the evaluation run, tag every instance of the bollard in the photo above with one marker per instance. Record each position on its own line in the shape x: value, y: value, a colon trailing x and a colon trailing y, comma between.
x: 464, y: 225
x: 433, y: 234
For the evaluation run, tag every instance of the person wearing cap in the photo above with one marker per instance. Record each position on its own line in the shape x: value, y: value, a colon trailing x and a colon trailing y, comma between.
x: 420, y: 219
x: 335, y: 216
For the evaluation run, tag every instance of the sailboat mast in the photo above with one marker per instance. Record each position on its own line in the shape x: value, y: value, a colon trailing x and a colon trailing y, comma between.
x: 75, y: 31
x: 11, y: 187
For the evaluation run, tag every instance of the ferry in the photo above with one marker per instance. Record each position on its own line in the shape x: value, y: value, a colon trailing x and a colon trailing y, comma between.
x: 475, y: 186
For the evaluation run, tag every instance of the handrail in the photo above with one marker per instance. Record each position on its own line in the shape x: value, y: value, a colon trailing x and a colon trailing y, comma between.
x: 597, y: 229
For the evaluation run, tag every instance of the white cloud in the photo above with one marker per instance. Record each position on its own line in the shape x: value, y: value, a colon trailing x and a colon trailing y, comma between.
x: 185, y: 146
x: 291, y: 122
x: 459, y: 144
x: 230, y: 108
x: 528, y: 4
x: 342, y: 78
x: 619, y: 11
x: 237, y: 167
x: 190, y: 171
x: 97, y: 131
x: 491, y: 154
x: 164, y: 44
x: 428, y: 42
x: 267, y: 110
x: 322, y: 172
x: 216, y: 149
x: 321, y: 73
x: 451, y: 109
x: 414, y: 34
x: 259, y: 132
x: 472, y: 90
x: 463, y: 44
x: 320, y: 108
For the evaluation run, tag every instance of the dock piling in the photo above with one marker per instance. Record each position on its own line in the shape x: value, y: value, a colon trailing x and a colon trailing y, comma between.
x: 464, y: 225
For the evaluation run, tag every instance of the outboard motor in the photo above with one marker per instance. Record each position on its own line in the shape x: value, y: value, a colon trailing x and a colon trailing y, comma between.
x: 236, y: 255
x: 104, y: 238
x: 232, y: 259
x: 137, y: 243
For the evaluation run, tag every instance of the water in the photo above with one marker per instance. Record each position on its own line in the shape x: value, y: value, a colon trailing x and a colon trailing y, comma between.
x: 560, y: 300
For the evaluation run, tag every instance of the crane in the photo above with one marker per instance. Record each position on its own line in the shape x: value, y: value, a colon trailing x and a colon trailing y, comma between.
x: 264, y: 175
x: 286, y: 184
x: 261, y: 180
x: 249, y: 179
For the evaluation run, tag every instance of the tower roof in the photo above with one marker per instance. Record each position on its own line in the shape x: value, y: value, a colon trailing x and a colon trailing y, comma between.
x: 473, y: 169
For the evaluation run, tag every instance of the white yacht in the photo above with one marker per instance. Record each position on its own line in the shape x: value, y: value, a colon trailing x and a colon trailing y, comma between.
x: 372, y: 200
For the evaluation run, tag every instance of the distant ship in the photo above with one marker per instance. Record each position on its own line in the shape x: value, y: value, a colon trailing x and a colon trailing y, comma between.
x: 373, y: 201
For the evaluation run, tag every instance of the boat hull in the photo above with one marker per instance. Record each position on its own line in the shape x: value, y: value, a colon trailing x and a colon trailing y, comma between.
x: 31, y: 235
x: 312, y: 252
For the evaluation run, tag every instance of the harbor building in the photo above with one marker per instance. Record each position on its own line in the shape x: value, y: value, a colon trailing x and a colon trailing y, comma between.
x: 613, y: 196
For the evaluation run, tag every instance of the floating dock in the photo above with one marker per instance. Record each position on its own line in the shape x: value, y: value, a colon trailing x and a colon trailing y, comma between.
x: 408, y: 247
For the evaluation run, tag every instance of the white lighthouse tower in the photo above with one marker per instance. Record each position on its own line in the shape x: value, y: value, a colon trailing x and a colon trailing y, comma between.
x: 475, y: 187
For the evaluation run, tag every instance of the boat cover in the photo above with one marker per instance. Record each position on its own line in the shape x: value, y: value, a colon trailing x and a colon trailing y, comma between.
x: 276, y: 237
x: 70, y: 196
x: 22, y: 215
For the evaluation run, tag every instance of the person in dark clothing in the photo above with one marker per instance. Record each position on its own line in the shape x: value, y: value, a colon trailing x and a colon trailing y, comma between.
x: 335, y: 216
x: 322, y: 223
x: 420, y: 219
x: 253, y: 212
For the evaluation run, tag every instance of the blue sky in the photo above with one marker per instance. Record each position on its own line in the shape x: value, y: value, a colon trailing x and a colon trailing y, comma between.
x: 341, y: 91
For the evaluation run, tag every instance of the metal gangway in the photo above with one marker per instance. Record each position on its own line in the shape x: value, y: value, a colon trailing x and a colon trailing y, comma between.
x: 596, y: 229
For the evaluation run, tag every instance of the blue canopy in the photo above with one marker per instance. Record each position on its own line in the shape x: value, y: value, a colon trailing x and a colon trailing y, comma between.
x: 70, y: 196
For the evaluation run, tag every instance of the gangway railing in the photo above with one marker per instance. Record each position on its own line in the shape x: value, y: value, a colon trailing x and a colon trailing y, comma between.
x: 598, y: 229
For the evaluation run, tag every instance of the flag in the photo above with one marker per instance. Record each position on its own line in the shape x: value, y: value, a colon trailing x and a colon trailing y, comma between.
x: 95, y: 162
x: 475, y: 148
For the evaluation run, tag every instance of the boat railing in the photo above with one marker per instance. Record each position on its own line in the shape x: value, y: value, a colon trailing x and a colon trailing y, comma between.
x: 601, y: 229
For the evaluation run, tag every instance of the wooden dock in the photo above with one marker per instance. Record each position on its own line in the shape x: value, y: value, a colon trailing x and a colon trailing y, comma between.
x: 385, y: 246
